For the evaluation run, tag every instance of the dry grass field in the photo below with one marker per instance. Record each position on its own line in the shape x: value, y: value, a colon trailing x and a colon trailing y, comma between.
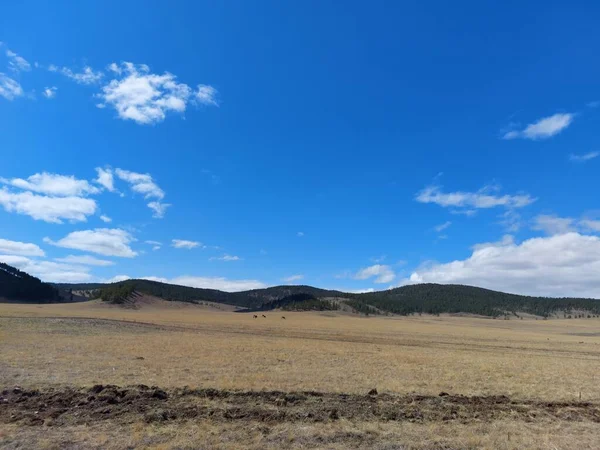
x: 300, y: 382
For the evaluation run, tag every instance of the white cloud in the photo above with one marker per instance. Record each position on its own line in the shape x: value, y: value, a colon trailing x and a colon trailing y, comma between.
x: 551, y: 224
x: 220, y: 283
x: 511, y: 221
x: 481, y: 199
x: 48, y: 209
x: 543, y: 128
x: 141, y: 183
x: 9, y: 88
x: 85, y: 260
x: 590, y: 225
x: 153, y: 242
x: 49, y: 92
x: 226, y: 258
x: 561, y: 265
x: 20, y: 248
x: 357, y: 291
x: 583, y: 158
x: 103, y: 241
x: 53, y: 184
x: 182, y: 243
x: 383, y: 273
x: 49, y: 271
x: 105, y: 219
x: 87, y: 76
x: 293, y: 278
x: 17, y: 63
x: 441, y: 227
x: 144, y: 97
x: 206, y: 95
x: 300, y: 234
x: 159, y: 209
x: 118, y: 278
x: 105, y: 178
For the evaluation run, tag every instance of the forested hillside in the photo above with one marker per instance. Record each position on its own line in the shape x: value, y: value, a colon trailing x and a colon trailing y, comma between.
x: 19, y: 286
x: 420, y: 298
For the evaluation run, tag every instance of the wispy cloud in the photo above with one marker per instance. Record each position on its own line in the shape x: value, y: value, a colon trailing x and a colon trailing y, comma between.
x: 293, y: 278
x: 481, y: 199
x: 300, y: 234
x: 9, y: 88
x: 206, y: 95
x: 382, y: 273
x: 584, y: 157
x: 182, y: 243
x: 86, y: 260
x: 17, y: 63
x: 144, y: 184
x: 441, y: 227
x: 543, y: 128
x: 226, y: 258
x: 105, y: 219
x: 105, y: 178
x: 86, y: 76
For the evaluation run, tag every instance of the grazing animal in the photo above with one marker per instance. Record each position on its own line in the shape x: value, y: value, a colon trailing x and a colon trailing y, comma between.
x: 255, y: 316
x: 283, y: 317
x: 264, y: 316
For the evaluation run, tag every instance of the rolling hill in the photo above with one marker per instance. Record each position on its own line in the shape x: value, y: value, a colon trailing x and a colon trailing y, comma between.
x: 412, y: 299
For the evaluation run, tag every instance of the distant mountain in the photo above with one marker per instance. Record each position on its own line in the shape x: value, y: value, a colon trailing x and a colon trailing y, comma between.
x: 412, y: 299
x: 21, y: 287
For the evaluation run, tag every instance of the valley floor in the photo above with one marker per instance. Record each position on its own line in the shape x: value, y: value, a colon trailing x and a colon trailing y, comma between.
x: 89, y: 375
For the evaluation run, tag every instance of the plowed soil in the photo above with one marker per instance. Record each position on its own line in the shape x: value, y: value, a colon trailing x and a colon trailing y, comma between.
x: 75, y: 406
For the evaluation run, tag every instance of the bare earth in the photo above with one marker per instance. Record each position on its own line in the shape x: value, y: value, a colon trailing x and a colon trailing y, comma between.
x: 160, y: 375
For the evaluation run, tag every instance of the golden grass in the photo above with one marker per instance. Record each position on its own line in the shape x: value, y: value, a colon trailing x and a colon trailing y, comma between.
x: 199, y: 347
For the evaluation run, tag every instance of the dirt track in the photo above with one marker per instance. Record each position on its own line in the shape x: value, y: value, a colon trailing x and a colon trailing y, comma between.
x: 70, y: 406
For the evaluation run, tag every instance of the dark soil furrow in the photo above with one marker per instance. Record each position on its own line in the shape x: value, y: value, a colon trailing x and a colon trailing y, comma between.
x: 72, y: 406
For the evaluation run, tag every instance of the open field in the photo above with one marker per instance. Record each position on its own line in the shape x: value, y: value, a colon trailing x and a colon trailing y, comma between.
x: 511, y: 384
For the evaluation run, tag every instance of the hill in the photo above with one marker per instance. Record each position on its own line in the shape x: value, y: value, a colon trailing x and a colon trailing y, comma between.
x: 19, y: 286
x: 412, y: 299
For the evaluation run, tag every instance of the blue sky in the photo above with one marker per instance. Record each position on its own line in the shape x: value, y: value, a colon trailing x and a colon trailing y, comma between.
x: 323, y: 143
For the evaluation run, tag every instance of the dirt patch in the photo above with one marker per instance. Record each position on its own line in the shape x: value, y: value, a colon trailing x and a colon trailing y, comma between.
x: 74, y: 406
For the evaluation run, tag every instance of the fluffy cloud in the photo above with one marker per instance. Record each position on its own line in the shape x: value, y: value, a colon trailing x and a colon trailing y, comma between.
x: 220, y: 283
x: 20, y: 248
x: 85, y: 260
x: 146, y: 98
x: 105, y: 178
x: 9, y: 88
x: 17, y: 63
x: 49, y: 271
x: 481, y: 199
x: 583, y: 158
x: 53, y: 184
x: 182, y: 243
x: 87, y: 76
x: 560, y: 265
x: 226, y: 258
x: 293, y: 278
x: 48, y: 209
x: 50, y: 92
x: 383, y: 273
x: 441, y: 227
x: 543, y: 128
x: 103, y: 241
